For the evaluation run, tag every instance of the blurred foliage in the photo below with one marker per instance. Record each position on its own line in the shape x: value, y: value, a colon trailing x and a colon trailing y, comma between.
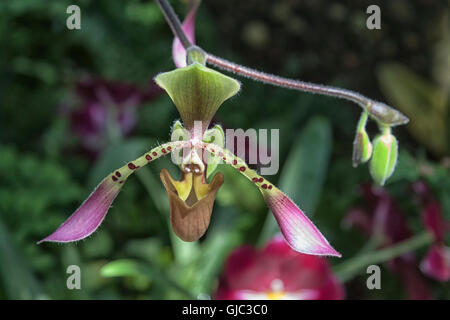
x: 426, y: 103
x: 44, y: 176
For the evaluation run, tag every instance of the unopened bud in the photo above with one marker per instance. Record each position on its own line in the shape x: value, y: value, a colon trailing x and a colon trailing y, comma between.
x: 362, y: 148
x: 384, y: 157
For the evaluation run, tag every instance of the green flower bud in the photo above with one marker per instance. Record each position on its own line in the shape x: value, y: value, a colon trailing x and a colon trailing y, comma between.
x: 384, y: 157
x: 362, y: 148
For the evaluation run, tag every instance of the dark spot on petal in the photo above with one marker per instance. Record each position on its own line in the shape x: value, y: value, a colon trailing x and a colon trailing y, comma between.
x: 132, y: 166
x: 270, y: 187
x: 261, y: 179
x: 255, y: 180
x: 118, y: 174
x: 264, y: 186
x: 242, y: 168
x: 154, y: 153
x: 169, y: 148
x: 234, y: 162
x: 163, y: 150
x: 114, y: 178
x: 148, y: 157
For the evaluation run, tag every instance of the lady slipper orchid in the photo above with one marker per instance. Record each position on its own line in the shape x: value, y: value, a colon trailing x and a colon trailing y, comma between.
x: 197, y: 92
x: 277, y: 273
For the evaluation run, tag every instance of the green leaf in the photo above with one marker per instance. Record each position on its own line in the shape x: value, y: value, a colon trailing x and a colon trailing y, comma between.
x: 304, y: 172
x: 224, y: 235
x: 123, y: 268
x: 133, y: 268
x: 115, y: 156
x: 16, y: 278
x: 238, y: 192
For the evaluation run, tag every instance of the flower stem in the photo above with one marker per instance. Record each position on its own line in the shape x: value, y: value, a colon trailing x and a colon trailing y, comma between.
x: 174, y: 23
x: 349, y: 269
x: 378, y: 110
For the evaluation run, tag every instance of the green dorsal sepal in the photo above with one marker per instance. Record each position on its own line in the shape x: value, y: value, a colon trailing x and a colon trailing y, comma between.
x: 197, y: 92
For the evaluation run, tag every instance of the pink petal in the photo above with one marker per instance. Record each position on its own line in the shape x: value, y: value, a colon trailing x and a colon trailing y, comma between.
x: 303, y: 272
x: 433, y: 220
x: 251, y: 274
x: 178, y: 51
x: 298, y: 230
x: 305, y: 294
x: 89, y: 215
x: 437, y: 263
x: 277, y: 247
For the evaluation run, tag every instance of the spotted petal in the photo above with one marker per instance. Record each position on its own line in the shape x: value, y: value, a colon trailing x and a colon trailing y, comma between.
x: 299, y: 232
x: 91, y: 213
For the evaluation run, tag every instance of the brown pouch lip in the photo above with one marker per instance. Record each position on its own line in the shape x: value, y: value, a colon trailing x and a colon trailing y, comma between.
x: 190, y: 222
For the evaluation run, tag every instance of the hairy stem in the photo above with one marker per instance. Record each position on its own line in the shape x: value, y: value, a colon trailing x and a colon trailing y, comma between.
x: 288, y: 83
x: 379, y: 111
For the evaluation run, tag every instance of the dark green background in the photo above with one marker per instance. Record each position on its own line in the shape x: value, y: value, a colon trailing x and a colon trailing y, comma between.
x: 42, y: 180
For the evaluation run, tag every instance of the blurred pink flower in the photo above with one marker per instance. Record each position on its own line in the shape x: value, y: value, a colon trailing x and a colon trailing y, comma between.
x: 382, y: 219
x: 102, y: 103
x: 277, y: 272
x: 436, y: 263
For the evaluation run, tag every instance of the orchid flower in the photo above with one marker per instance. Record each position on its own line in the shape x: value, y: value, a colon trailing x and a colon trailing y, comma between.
x: 197, y: 92
x: 277, y: 273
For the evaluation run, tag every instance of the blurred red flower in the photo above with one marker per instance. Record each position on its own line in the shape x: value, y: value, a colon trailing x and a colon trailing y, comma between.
x: 383, y: 220
x: 277, y: 272
x: 436, y: 263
